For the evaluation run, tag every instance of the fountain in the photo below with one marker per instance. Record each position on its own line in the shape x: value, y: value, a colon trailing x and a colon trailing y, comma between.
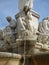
x: 25, y: 41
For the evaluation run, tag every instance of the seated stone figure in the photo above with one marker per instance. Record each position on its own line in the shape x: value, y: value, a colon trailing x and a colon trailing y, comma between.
x: 9, y: 33
x: 44, y: 25
x: 43, y: 30
x: 12, y: 25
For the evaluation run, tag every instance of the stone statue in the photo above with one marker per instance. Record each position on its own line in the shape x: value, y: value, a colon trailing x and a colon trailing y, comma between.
x: 10, y: 34
x: 44, y: 32
x: 12, y: 26
x: 24, y: 3
x: 44, y: 25
x: 21, y: 24
x: 9, y: 38
x: 11, y: 22
x: 7, y: 31
x: 30, y: 23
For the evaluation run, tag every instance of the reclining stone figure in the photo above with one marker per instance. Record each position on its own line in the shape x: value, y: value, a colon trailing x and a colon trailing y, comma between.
x: 42, y: 44
x: 44, y: 25
x: 9, y: 33
x: 9, y: 38
x: 12, y: 24
x: 44, y: 32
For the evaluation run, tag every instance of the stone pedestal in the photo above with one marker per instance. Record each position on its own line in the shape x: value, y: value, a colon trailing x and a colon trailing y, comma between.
x: 26, y: 40
x: 26, y: 24
x: 27, y: 44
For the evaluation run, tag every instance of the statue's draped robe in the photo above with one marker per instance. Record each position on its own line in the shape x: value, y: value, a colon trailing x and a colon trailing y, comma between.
x: 23, y: 3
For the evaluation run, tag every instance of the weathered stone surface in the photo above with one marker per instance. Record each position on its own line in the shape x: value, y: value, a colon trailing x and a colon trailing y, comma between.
x: 7, y: 31
x: 31, y: 21
x: 42, y: 38
x: 1, y: 34
x: 40, y: 59
x: 41, y: 48
x: 10, y: 59
x: 28, y: 44
x: 8, y: 34
x: 9, y: 39
x: 2, y: 43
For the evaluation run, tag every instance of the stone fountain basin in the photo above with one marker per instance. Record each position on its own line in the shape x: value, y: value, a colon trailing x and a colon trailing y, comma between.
x: 9, y: 58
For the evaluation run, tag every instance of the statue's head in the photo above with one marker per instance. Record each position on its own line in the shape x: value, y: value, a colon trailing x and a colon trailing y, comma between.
x: 46, y: 18
x: 8, y: 18
x: 46, y: 21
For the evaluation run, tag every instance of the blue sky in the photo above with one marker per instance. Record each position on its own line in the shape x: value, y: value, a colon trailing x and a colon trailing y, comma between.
x: 10, y: 8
